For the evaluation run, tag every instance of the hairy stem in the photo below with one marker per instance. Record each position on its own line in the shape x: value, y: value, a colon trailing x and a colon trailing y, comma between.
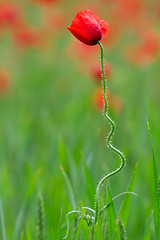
x: 109, y: 136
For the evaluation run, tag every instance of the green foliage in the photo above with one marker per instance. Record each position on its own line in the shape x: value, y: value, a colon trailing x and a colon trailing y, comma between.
x: 62, y: 152
x: 22, y: 234
x: 69, y: 189
x: 28, y: 233
x: 122, y: 230
x: 125, y: 207
x: 2, y: 222
x: 47, y: 116
x: 110, y: 214
x: 79, y: 228
x: 147, y: 233
x: 156, y: 192
x: 89, y: 184
x: 18, y: 221
x: 40, y: 218
x: 159, y: 199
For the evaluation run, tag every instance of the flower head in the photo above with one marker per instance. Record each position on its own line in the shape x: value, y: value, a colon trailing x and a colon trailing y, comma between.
x: 88, y: 28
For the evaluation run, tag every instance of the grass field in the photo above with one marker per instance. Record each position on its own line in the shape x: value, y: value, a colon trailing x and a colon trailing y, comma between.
x: 52, y: 130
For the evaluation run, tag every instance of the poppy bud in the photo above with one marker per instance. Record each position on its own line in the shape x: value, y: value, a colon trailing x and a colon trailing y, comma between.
x: 88, y: 28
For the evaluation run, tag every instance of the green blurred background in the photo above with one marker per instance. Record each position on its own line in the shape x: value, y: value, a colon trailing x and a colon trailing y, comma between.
x: 49, y: 112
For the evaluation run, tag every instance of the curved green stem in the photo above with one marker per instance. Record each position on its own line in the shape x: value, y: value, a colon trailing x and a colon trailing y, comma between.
x: 74, y: 211
x: 114, y: 199
x: 109, y: 136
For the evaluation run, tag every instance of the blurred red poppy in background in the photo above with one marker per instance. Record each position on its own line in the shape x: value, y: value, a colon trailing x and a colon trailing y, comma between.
x: 149, y: 45
x: 9, y: 14
x: 57, y: 21
x: 27, y: 37
x: 146, y: 51
x: 128, y: 9
x: 4, y: 80
x: 45, y: 1
x: 98, y: 99
x: 157, y: 9
x: 97, y: 71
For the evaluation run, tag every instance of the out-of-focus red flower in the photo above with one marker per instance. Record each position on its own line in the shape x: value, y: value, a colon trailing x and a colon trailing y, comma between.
x: 9, y: 14
x: 99, y: 99
x: 27, y: 37
x: 97, y: 71
x: 88, y: 28
x: 4, y: 80
x: 45, y: 1
x: 57, y: 22
x: 128, y: 9
x: 150, y: 44
x: 158, y: 9
x: 147, y: 49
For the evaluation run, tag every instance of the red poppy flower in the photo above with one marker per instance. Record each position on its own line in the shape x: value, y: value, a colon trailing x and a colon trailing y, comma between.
x: 88, y: 28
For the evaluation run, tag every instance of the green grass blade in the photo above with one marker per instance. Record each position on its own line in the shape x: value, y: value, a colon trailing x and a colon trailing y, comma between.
x: 159, y: 200
x: 122, y: 230
x: 32, y: 183
x: 111, y: 216
x: 21, y: 213
x: 99, y: 230
x: 147, y: 234
x: 148, y: 229
x: 79, y: 228
x: 89, y: 183
x: 69, y: 189
x: 85, y: 231
x: 28, y: 233
x: 62, y: 152
x: 18, y: 223
x: 155, y: 184
x: 125, y: 207
x: 22, y: 235
x: 59, y: 229
x: 2, y: 222
x: 40, y: 225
